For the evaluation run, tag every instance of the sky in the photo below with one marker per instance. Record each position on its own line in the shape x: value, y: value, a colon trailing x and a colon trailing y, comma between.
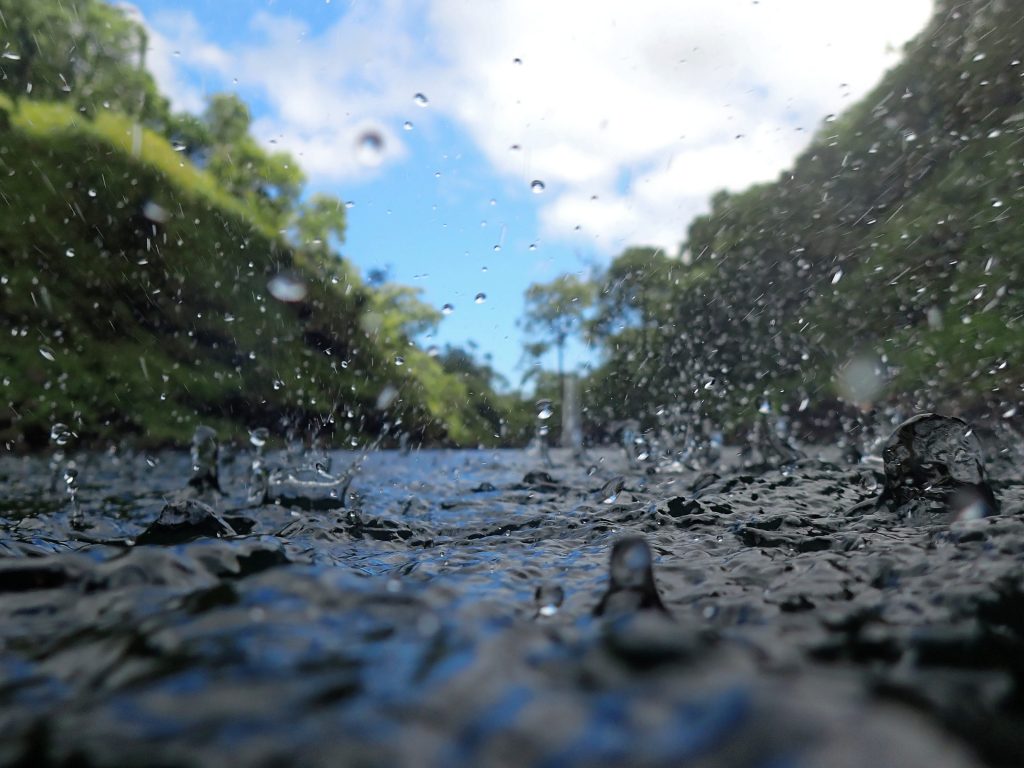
x: 630, y: 115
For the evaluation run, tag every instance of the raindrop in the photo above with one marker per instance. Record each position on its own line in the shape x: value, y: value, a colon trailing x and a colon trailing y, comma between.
x: 433, y: 350
x: 837, y: 276
x: 480, y: 298
x: 548, y: 599
x: 287, y: 287
x: 47, y: 353
x: 92, y: 193
x: 11, y: 56
x: 533, y: 247
x: 60, y: 434
x: 370, y: 148
x: 278, y: 384
x: 496, y: 248
x: 258, y: 437
x: 155, y: 213
x: 205, y: 452
x: 399, y: 360
x: 447, y: 309
x: 517, y: 60
x: 420, y: 100
x: 537, y: 186
x: 70, y: 253
x: 610, y: 491
x: 407, y: 125
x: 544, y: 411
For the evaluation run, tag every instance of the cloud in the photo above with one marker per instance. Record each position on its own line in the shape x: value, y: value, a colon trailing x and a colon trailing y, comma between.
x: 632, y: 114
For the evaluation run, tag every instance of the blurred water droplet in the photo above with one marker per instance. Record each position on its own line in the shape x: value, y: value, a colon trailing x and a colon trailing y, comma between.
x: 70, y: 253
x: 420, y: 100
x: 278, y: 384
x: 537, y: 186
x: 287, y: 287
x: 258, y: 437
x: 387, y: 395
x: 609, y: 492
x: 11, y: 56
x: 407, y: 125
x: 544, y: 410
x: 60, y: 434
x: 433, y: 350
x: 548, y: 599
x: 480, y: 298
x: 370, y: 148
x: 155, y: 213
x: 399, y: 360
x: 47, y: 353
x: 204, y: 453
x: 91, y: 193
x: 447, y: 309
x: 837, y: 276
x: 533, y: 247
x: 517, y: 60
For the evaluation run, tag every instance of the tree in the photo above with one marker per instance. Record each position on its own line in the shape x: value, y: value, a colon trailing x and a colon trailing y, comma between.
x: 86, y: 51
x: 317, y: 221
x: 557, y: 310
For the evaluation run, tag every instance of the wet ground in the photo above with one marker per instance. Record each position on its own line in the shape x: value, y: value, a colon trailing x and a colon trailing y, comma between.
x: 437, y: 608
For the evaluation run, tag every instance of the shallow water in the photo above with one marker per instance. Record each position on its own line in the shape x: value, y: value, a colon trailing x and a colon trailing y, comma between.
x: 395, y: 621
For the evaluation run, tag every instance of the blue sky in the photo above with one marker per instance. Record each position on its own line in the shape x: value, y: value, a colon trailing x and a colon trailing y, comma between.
x: 632, y: 115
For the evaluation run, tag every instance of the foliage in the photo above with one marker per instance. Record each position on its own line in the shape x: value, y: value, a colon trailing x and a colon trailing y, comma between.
x: 893, y: 236
x: 555, y: 311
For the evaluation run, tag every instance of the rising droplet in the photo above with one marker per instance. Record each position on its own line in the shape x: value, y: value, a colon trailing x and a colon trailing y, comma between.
x: 258, y: 437
x: 548, y: 599
x: 537, y: 186
x: 287, y: 287
x: 60, y: 434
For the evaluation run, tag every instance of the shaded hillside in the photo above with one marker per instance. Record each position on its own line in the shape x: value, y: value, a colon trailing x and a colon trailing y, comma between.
x: 894, y: 239
x: 135, y: 302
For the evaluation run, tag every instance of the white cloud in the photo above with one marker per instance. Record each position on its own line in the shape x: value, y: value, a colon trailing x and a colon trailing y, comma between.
x: 637, y: 104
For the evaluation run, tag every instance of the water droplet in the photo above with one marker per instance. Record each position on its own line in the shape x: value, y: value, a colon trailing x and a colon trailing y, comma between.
x: 420, y: 100
x: 837, y: 276
x: 610, y: 491
x: 259, y: 436
x: 47, y: 353
x: 548, y: 599
x: 399, y: 360
x: 544, y: 410
x: 11, y: 56
x: 979, y: 57
x: 447, y: 309
x: 370, y: 148
x: 204, y: 453
x: 278, y: 384
x: 433, y: 350
x: 407, y: 125
x: 480, y: 298
x: 70, y: 253
x: 60, y: 434
x: 517, y: 60
x: 537, y: 186
x: 496, y: 249
x: 287, y: 287
x: 91, y: 193
x: 155, y: 213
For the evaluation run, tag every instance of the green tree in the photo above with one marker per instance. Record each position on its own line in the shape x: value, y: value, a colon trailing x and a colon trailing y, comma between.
x: 555, y: 311
x: 86, y: 51
x: 318, y: 221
